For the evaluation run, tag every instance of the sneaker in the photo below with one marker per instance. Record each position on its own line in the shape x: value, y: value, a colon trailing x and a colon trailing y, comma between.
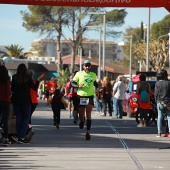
x: 7, y: 142
x: 140, y: 125
x: 88, y: 136
x: 23, y: 140
x: 30, y: 135
x: 57, y: 126
x: 114, y: 117
x: 144, y: 125
x: 81, y: 125
x: 166, y: 135
x: 103, y: 114
x: 14, y: 139
x: 75, y: 121
x: 158, y: 135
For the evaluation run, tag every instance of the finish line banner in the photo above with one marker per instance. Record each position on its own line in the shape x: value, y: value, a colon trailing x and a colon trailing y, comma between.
x: 94, y: 3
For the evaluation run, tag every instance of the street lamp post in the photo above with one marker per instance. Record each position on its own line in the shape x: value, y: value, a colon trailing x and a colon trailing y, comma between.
x: 80, y: 55
x: 100, y: 30
x: 169, y: 48
x: 130, y: 53
x: 148, y: 44
x: 104, y: 35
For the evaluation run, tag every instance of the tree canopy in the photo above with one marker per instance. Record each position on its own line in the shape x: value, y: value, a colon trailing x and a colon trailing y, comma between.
x: 161, y: 28
x: 53, y: 21
x: 158, y: 55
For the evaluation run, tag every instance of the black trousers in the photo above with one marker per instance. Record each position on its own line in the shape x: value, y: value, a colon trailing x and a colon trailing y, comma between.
x: 56, y: 114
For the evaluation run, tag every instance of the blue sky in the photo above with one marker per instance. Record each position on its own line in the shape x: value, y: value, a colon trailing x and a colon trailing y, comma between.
x: 12, y: 32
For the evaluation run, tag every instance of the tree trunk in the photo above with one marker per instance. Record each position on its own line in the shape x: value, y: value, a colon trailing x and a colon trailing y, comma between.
x: 58, y: 54
x: 73, y: 56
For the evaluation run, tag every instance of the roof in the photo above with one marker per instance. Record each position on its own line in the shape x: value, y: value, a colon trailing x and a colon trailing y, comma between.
x: 32, y: 66
x: 110, y: 67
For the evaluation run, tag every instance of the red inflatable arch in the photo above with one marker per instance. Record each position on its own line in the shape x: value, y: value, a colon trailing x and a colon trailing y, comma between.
x: 94, y: 3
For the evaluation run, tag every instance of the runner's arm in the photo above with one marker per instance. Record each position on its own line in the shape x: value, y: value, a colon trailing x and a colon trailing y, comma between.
x: 96, y: 84
x: 74, y: 84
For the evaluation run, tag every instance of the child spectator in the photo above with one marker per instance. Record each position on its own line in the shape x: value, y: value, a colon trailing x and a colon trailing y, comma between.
x: 57, y: 103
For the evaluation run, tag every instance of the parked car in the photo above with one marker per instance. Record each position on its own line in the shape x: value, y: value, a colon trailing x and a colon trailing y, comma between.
x: 130, y: 104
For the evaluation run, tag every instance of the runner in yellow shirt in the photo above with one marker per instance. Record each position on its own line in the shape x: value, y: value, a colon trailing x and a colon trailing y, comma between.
x: 85, y: 81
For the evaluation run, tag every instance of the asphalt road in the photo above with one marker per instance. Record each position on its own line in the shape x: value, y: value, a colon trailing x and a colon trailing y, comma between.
x: 116, y: 144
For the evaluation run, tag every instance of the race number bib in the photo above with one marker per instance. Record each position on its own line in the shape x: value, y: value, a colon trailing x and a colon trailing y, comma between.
x: 84, y: 101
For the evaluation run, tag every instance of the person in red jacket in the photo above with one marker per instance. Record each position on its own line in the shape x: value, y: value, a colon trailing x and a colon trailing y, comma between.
x: 5, y: 100
x: 34, y: 103
x: 34, y: 97
x: 52, y: 85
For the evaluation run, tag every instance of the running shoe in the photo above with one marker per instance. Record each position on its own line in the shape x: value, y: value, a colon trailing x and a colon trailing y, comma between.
x: 103, y: 114
x: 30, y: 135
x: 5, y: 141
x: 158, y: 135
x: 140, y: 125
x: 166, y: 135
x: 75, y: 121
x: 81, y: 125
x: 57, y: 126
x: 88, y: 136
x: 14, y: 139
x: 23, y: 140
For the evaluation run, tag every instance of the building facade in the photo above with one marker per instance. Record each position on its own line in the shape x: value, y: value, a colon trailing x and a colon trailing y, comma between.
x: 90, y: 48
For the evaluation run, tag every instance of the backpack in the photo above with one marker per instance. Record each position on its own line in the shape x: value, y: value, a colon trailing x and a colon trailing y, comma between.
x: 144, y: 96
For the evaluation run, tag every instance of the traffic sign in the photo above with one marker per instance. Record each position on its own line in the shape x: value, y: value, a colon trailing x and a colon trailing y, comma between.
x: 94, y: 3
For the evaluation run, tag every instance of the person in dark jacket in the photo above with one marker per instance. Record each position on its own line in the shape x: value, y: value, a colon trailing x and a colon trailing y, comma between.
x: 5, y: 100
x: 107, y: 96
x: 167, y: 128
x: 57, y: 103
x: 21, y: 99
x: 162, y: 94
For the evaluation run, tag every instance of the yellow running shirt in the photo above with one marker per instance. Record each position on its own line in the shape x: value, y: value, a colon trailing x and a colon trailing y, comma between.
x: 88, y: 80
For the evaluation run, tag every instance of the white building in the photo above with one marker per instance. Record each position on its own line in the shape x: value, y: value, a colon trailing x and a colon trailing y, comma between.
x: 90, y: 47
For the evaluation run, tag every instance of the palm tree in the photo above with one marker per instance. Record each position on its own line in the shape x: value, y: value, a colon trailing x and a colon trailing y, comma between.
x: 14, y: 51
x: 63, y: 77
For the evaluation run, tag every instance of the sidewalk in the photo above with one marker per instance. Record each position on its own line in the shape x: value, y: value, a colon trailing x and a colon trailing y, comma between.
x: 114, y: 145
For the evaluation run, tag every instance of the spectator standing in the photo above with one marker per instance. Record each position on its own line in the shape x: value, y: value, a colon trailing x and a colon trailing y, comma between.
x: 5, y: 100
x: 162, y: 94
x: 21, y: 99
x: 166, y: 78
x: 57, y: 103
x: 85, y: 81
x: 99, y: 96
x: 107, y: 96
x: 143, y: 106
x: 34, y: 103
x: 118, y: 96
